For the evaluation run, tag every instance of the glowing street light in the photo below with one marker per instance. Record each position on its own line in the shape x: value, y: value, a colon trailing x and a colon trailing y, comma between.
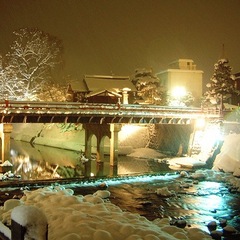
x: 179, y: 92
x: 177, y: 95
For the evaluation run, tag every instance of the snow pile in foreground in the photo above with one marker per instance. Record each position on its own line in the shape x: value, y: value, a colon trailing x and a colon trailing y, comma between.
x: 228, y: 160
x: 92, y: 217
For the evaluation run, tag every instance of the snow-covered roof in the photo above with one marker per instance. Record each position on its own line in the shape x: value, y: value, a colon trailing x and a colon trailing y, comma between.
x: 104, y: 92
x: 237, y: 75
x: 96, y: 83
x: 230, y: 106
x: 78, y: 86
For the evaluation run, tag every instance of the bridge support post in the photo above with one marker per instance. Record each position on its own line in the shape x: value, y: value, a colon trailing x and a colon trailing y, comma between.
x: 99, y: 131
x: 5, y: 132
x: 114, y: 128
x: 88, y: 144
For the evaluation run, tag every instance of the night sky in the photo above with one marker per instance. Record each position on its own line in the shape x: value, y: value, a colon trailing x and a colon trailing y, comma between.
x: 118, y: 36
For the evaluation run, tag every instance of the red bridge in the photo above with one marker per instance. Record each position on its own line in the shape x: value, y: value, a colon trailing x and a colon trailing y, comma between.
x: 72, y: 112
x: 98, y: 119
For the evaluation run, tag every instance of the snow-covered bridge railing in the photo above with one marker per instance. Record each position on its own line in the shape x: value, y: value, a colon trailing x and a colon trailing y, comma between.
x: 72, y: 112
x: 27, y: 222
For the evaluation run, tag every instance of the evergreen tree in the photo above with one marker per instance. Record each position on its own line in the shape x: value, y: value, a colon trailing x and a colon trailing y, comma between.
x: 148, y: 87
x: 221, y: 85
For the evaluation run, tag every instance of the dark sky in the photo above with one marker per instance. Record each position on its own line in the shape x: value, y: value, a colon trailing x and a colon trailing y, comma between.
x: 118, y: 36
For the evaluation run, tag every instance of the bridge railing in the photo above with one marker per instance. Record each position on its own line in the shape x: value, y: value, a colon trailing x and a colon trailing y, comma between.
x: 98, y: 108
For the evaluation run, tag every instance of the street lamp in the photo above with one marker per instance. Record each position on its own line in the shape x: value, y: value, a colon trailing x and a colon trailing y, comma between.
x: 179, y: 92
x: 177, y: 95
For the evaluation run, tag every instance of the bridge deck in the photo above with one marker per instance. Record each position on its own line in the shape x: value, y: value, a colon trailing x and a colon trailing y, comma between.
x: 56, y: 112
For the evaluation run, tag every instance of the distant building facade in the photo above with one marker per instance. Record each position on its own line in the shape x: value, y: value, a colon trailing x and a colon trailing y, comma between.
x: 102, y: 89
x: 235, y: 98
x: 183, y: 73
x: 237, y: 80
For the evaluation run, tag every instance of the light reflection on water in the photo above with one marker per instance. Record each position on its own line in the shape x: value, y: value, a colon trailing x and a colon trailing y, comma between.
x: 42, y: 162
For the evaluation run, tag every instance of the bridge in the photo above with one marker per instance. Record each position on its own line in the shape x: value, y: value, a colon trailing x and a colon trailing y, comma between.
x: 98, y: 119
x: 66, y: 112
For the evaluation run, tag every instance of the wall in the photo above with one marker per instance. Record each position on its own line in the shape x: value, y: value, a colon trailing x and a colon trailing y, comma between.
x: 168, y: 137
x: 163, y: 137
x: 72, y: 136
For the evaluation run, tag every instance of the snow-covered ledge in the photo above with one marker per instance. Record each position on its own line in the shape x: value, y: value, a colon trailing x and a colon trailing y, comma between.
x: 5, y: 231
x: 29, y: 222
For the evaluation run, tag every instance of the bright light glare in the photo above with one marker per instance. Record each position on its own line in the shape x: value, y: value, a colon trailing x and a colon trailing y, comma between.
x: 179, y: 92
x: 215, y: 202
x: 208, y: 138
x: 200, y: 123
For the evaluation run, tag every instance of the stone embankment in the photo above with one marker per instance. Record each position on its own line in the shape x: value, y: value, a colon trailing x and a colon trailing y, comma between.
x: 72, y: 136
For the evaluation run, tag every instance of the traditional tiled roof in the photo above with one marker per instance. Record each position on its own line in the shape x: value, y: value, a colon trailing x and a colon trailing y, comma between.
x: 78, y: 86
x: 96, y: 83
x: 104, y: 93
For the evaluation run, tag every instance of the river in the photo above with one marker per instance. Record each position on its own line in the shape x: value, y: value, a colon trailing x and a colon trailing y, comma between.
x: 133, y: 188
x: 37, y: 162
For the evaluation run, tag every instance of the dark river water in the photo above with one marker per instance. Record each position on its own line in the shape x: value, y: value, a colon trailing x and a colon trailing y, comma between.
x: 133, y: 187
x: 41, y: 162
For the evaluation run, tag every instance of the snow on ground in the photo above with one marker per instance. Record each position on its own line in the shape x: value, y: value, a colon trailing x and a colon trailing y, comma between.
x: 146, y: 153
x: 185, y: 162
x: 228, y: 160
x: 93, y: 217
x: 90, y: 217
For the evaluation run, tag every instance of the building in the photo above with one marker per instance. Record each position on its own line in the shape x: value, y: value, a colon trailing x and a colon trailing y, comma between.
x: 182, y: 74
x: 102, y: 89
x: 237, y: 81
x: 235, y: 98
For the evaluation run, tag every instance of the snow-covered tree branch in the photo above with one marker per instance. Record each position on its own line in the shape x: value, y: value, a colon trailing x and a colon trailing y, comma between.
x: 221, y: 85
x: 29, y: 64
x: 148, y: 87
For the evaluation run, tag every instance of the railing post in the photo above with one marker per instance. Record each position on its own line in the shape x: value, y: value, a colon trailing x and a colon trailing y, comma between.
x: 18, y: 231
x: 114, y: 128
x: 6, y: 129
x: 28, y: 220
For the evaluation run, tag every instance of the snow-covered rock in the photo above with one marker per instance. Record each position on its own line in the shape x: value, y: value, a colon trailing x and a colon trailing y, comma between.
x: 82, y: 218
x: 228, y: 160
x: 164, y: 191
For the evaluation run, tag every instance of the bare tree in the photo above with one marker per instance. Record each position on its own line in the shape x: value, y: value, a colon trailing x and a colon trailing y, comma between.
x: 53, y: 92
x: 33, y: 56
x: 10, y: 87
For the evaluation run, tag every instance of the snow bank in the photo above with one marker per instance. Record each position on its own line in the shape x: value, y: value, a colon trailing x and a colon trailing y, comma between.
x: 185, y: 162
x: 228, y: 160
x: 146, y: 153
x: 6, y: 164
x: 214, y: 176
x: 92, y: 218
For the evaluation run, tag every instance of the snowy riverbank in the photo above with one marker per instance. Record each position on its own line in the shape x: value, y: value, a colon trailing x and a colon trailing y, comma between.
x: 228, y: 160
x: 94, y: 217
